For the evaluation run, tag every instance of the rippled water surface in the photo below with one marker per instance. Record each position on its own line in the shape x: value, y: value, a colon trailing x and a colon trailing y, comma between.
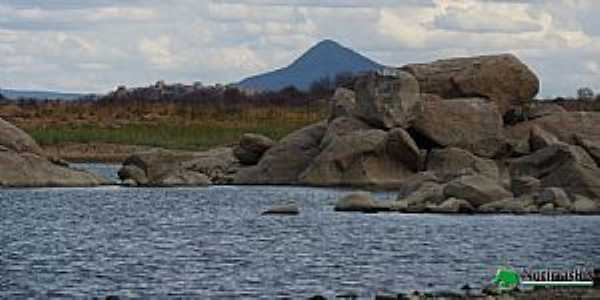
x: 212, y: 242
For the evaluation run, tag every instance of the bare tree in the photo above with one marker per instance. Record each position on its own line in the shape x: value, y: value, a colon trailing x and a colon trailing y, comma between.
x: 585, y: 93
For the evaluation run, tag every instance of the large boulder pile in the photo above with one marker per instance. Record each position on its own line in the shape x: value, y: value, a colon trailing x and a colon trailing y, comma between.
x: 436, y: 133
x: 24, y: 164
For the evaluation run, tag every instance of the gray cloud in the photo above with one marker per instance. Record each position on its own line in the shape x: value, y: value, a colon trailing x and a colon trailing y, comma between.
x: 97, y: 45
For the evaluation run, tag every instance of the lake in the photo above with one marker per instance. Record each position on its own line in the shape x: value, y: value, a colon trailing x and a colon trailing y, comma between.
x: 213, y: 242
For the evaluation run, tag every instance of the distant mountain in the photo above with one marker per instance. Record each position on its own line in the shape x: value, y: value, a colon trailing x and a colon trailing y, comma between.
x: 39, y: 95
x: 325, y: 59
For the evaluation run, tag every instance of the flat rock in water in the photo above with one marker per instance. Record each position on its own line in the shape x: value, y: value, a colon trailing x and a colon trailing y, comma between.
x: 357, y: 202
x: 289, y: 209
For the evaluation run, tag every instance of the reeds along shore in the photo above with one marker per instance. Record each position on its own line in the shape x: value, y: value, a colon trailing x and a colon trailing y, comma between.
x: 191, y: 126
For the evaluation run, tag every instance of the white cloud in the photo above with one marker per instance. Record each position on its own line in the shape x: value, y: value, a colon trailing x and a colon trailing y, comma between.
x: 475, y: 16
x: 95, y: 46
x: 158, y: 51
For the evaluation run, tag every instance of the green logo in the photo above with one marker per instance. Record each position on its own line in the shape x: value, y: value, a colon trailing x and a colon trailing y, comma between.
x: 507, y: 279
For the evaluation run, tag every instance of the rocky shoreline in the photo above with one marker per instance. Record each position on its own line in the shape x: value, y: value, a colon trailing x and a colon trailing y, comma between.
x: 24, y: 164
x: 453, y: 136
x: 468, y: 294
x: 540, y: 293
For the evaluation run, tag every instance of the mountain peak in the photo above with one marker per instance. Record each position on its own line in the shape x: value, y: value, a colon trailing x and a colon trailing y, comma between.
x: 327, y: 43
x: 327, y: 58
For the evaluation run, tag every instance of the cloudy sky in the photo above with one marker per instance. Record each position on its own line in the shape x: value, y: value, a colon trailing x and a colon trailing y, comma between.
x: 95, y: 45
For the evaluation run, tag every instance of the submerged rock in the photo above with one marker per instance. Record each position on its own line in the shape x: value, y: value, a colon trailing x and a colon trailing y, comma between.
x: 289, y: 209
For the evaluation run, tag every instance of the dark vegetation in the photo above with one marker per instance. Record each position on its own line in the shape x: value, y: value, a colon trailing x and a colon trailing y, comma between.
x: 192, y: 116
x: 172, y: 116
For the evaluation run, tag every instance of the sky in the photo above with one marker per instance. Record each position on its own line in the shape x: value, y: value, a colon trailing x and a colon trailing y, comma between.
x: 95, y: 46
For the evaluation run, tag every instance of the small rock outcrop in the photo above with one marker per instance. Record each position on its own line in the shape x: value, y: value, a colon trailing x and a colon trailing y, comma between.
x: 503, y: 79
x: 24, y: 164
x: 167, y: 168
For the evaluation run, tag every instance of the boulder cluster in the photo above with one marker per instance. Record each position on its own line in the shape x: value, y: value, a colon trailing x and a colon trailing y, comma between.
x: 435, y: 133
x: 24, y: 164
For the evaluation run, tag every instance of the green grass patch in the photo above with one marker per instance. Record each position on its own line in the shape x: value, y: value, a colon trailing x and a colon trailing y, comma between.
x: 173, y: 136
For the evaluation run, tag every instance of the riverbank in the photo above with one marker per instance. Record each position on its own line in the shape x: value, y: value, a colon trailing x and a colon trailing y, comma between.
x: 541, y: 293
